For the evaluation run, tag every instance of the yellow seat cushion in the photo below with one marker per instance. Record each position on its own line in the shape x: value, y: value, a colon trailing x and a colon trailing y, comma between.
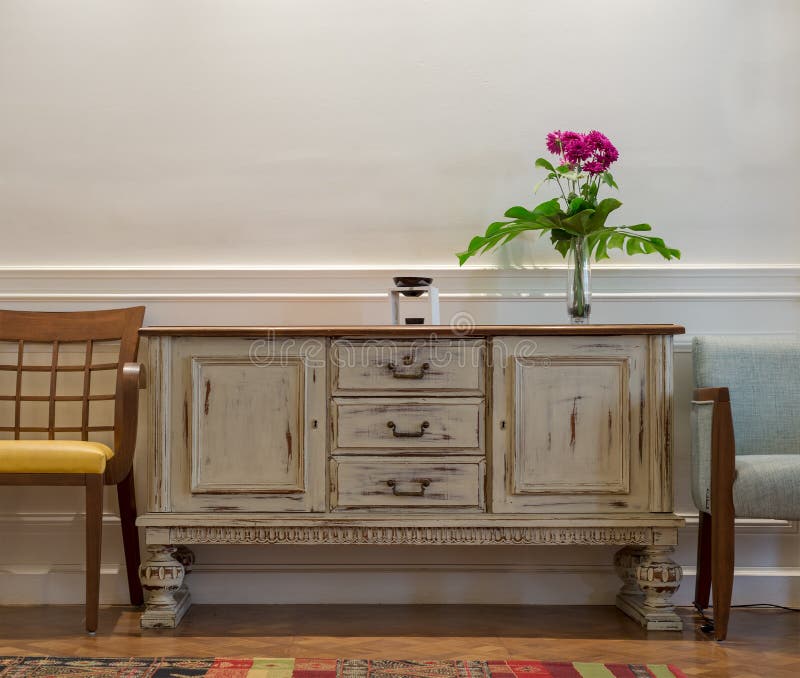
x: 53, y: 456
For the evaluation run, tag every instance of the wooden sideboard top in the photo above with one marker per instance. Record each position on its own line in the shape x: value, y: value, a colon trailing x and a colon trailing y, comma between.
x: 407, y: 330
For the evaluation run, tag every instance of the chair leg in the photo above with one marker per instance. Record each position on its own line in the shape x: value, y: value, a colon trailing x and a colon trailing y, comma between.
x: 94, y: 534
x: 130, y: 537
x: 702, y: 585
x: 723, y: 471
x: 722, y: 562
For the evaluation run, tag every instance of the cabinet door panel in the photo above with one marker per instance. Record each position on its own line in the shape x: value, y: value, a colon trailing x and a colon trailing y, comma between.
x: 568, y: 427
x: 247, y: 426
x: 570, y: 413
x: 248, y: 429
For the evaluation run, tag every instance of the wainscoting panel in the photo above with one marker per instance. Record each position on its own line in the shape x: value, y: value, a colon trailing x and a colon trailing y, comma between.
x: 41, y: 529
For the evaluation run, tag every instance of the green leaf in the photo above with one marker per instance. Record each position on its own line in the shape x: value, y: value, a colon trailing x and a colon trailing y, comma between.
x: 491, y: 243
x: 548, y: 208
x: 545, y: 163
x: 589, y: 191
x: 496, y: 226
x: 579, y: 222
x: 560, y: 234
x: 616, y: 241
x: 578, y: 204
x: 511, y: 236
x: 518, y: 213
x: 609, y: 180
x: 562, y: 247
x: 602, y: 249
x: 604, y: 208
x: 640, y: 227
x: 475, y: 243
x: 551, y: 220
x: 633, y: 246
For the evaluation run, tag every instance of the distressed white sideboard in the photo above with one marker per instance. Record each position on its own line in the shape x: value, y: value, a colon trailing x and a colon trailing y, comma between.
x: 412, y: 435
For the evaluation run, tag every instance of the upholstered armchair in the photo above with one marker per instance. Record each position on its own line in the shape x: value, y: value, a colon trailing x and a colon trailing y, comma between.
x: 745, y: 450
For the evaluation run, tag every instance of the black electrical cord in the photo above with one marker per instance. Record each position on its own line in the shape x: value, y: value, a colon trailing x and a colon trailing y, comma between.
x: 780, y: 607
x: 708, y: 626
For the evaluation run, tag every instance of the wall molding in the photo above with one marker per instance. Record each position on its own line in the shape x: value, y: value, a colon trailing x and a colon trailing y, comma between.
x: 367, y: 285
x: 747, y: 525
x: 56, y: 520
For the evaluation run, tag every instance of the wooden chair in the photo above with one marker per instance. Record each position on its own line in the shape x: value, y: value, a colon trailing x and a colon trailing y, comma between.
x: 749, y: 386
x: 66, y: 378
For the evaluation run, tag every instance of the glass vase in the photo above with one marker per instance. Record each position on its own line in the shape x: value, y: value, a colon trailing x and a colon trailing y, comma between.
x: 579, y: 278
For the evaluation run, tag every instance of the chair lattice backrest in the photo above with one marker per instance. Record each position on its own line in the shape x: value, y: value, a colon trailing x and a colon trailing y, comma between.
x: 60, y: 372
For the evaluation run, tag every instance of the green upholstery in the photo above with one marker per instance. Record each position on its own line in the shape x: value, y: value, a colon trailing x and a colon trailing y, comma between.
x: 767, y: 486
x: 763, y: 376
x: 701, y: 454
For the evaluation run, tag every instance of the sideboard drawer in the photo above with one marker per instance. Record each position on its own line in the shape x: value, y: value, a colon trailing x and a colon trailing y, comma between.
x: 408, y: 483
x: 399, y: 424
x: 385, y: 367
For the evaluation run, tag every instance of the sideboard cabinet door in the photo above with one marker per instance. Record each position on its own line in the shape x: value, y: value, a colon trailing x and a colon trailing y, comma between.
x: 569, y: 425
x: 248, y: 425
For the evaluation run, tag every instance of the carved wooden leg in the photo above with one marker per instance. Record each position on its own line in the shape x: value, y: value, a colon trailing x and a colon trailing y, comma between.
x: 185, y: 556
x: 162, y: 576
x: 626, y: 560
x: 657, y: 577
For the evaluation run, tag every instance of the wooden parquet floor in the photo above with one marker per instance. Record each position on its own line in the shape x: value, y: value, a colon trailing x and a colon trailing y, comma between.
x: 761, y: 643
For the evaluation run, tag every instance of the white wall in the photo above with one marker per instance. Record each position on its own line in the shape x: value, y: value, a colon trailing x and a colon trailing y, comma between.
x: 372, y: 135
x: 384, y: 132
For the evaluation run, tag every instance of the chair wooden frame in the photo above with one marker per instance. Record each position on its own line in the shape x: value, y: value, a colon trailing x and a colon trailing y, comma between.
x: 88, y: 327
x: 715, y: 539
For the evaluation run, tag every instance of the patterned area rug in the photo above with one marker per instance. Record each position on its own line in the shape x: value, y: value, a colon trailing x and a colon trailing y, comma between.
x: 175, y: 667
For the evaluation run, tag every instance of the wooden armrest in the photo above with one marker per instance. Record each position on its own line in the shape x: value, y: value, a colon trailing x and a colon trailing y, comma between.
x: 723, y: 449
x: 126, y: 420
x: 135, y: 372
x: 719, y: 394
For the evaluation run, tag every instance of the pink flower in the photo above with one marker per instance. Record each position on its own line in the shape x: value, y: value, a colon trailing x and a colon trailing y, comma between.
x: 557, y: 141
x: 603, y: 152
x: 568, y: 136
x: 594, y: 150
x: 595, y: 167
x: 577, y: 150
x: 554, y: 142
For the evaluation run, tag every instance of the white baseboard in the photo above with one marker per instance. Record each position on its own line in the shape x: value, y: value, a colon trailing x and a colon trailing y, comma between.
x: 396, y: 583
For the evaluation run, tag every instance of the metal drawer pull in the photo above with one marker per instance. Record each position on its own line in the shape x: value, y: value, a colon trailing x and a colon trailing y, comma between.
x: 423, y: 485
x: 408, y: 434
x: 409, y: 360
